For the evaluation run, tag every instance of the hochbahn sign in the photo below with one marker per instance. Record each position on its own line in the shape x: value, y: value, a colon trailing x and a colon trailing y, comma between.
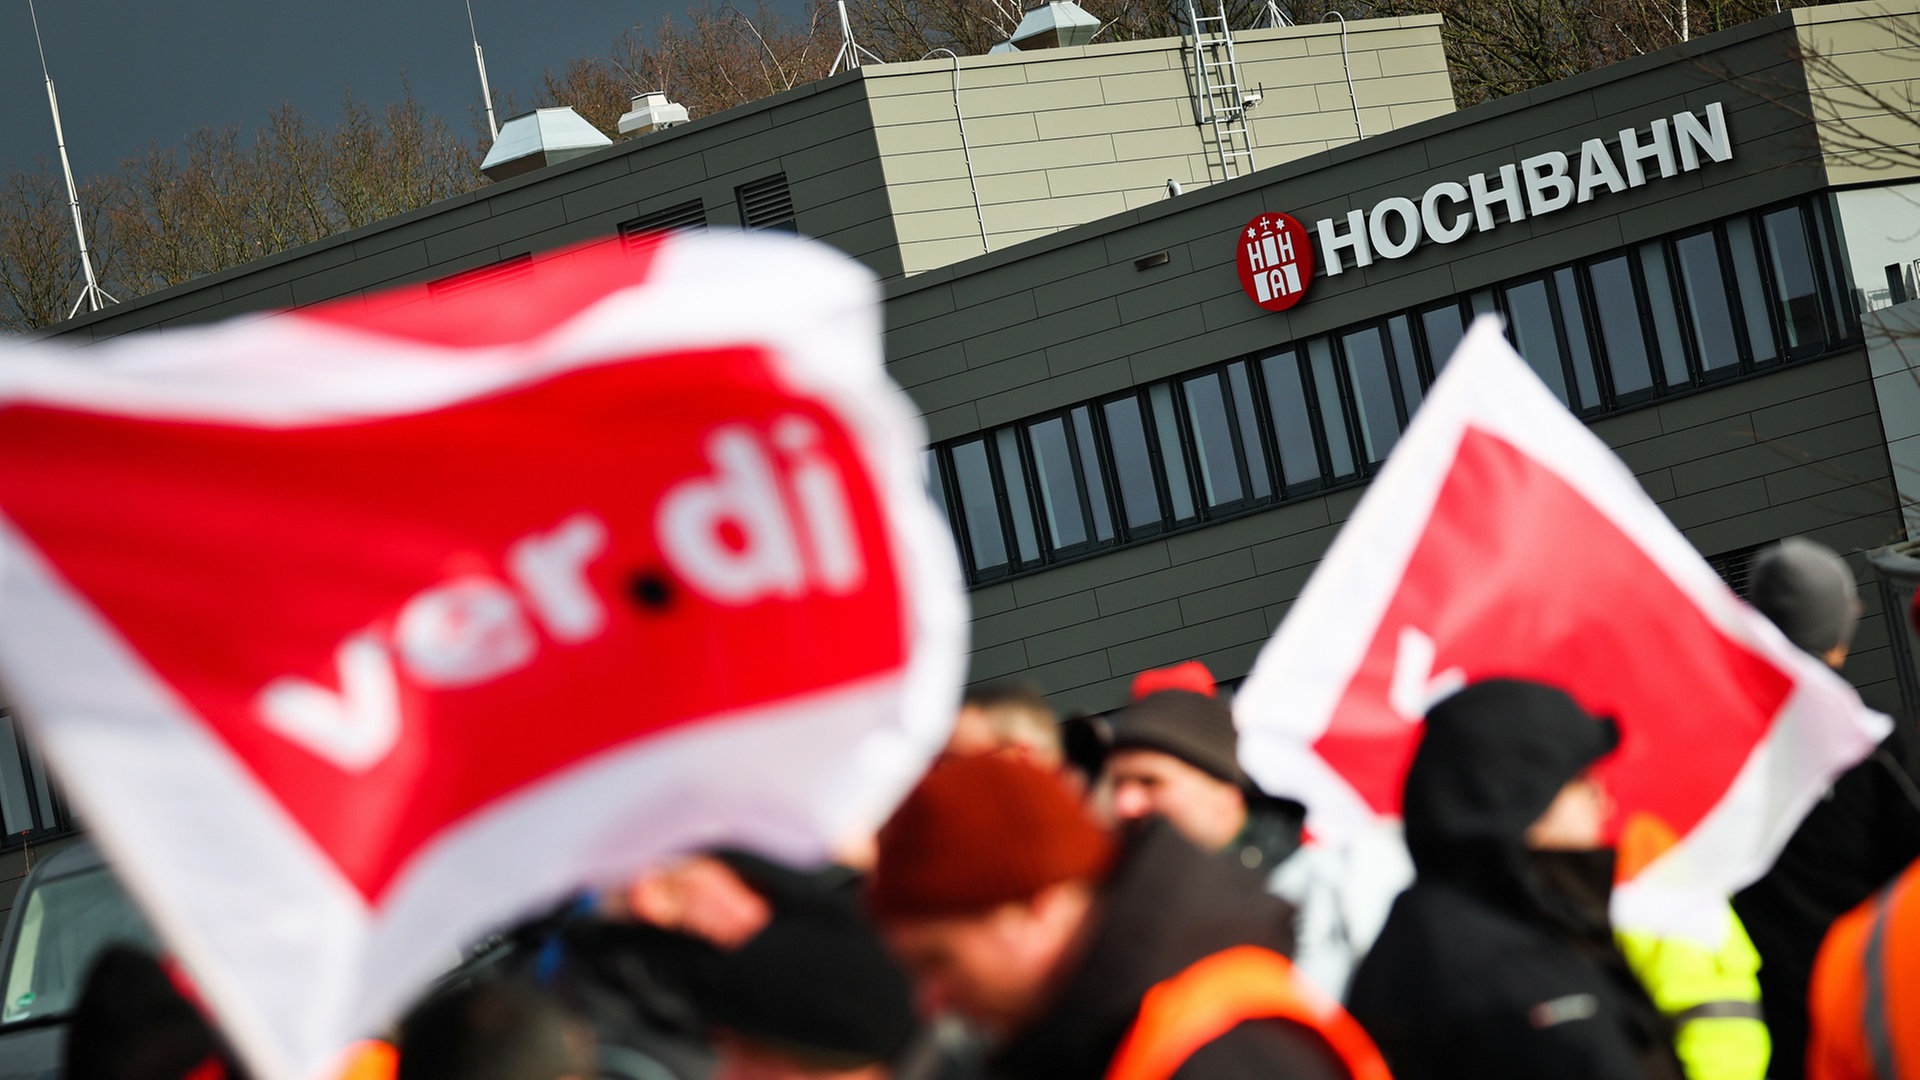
x: 1273, y: 251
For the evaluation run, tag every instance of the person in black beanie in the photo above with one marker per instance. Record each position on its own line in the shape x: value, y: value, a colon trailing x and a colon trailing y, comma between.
x: 1500, y: 960
x: 1174, y: 754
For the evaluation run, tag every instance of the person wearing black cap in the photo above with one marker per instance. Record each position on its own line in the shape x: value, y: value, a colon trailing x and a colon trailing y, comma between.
x: 1499, y: 960
x: 1862, y: 833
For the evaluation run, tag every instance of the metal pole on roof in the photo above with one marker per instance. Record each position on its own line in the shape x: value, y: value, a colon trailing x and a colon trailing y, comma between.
x: 480, y: 61
x: 92, y: 294
x: 850, y: 52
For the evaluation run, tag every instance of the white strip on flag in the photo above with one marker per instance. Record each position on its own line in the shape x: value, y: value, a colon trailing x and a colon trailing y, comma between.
x: 1503, y: 538
x: 358, y: 631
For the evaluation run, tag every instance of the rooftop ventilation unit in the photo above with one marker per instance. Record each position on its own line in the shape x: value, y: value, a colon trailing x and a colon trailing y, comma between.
x: 652, y: 111
x: 1052, y: 23
x: 538, y: 139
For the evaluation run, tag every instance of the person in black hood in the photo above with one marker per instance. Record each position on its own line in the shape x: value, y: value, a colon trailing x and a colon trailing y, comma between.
x: 1499, y: 960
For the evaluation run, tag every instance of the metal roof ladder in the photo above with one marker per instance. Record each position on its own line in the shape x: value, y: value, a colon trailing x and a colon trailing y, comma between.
x: 1220, y: 102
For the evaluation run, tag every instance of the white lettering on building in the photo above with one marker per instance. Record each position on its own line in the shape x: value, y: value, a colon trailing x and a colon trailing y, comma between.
x: 1538, y: 185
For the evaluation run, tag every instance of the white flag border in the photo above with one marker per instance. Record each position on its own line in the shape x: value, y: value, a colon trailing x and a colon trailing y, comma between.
x: 807, y: 308
x: 1288, y: 698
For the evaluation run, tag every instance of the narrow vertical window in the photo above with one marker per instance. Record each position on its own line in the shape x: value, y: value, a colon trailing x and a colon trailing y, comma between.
x: 1019, y: 500
x: 1252, y: 449
x: 1166, y: 426
x: 1753, y: 293
x: 1333, y: 415
x: 1372, y: 391
x: 1213, y: 440
x: 1292, y: 419
x: 1091, y: 474
x: 1706, y: 291
x: 1666, y: 315
x: 1621, y: 338
x: 973, y: 477
x: 1533, y: 334
x: 1059, y: 484
x: 1573, y: 325
x: 1132, y: 463
x: 1444, y: 330
x: 936, y: 485
x: 1406, y: 362
x: 1796, y: 286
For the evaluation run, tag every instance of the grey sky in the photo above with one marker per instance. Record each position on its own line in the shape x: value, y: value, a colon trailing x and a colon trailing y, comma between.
x: 133, y: 73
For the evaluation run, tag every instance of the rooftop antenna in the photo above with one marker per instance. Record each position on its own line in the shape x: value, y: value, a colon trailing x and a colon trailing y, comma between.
x: 850, y: 52
x: 479, y: 61
x: 92, y: 295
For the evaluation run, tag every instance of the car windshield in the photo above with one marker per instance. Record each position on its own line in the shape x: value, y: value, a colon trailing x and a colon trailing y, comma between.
x: 66, y: 923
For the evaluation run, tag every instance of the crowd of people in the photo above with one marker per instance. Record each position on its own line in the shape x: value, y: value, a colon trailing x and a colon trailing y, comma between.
x: 1113, y: 897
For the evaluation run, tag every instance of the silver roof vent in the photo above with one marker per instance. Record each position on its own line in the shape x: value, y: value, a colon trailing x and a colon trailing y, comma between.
x: 650, y: 112
x: 540, y: 138
x: 1052, y: 23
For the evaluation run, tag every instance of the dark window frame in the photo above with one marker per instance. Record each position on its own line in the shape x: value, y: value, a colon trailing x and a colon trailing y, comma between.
x: 1318, y: 405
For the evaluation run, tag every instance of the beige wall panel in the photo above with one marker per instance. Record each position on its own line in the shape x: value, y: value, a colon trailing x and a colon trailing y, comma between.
x: 1423, y: 59
x: 1101, y: 120
x: 1170, y: 142
x: 1021, y: 100
x: 939, y: 134
x: 1052, y: 154
x: 920, y: 256
x: 1055, y: 213
x: 1151, y: 56
x: 899, y: 80
x: 943, y: 224
x: 1405, y: 89
x: 932, y: 165
x: 1288, y: 123
x: 1148, y: 86
x: 909, y: 199
x: 1117, y: 177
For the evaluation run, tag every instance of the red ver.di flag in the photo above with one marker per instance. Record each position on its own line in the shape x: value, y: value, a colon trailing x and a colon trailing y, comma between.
x: 1503, y: 538
x: 357, y: 631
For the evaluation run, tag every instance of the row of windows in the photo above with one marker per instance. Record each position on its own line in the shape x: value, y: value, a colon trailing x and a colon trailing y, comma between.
x: 1606, y: 333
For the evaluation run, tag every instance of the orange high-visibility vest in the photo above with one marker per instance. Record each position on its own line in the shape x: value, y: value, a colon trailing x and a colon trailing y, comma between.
x: 1220, y: 992
x: 1863, y: 1004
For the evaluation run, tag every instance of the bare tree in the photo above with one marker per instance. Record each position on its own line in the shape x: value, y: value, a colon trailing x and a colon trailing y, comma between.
x: 37, y: 266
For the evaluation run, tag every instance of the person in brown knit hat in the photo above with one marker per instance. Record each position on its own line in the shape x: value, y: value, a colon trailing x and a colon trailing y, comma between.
x: 1077, y: 955
x: 1175, y: 753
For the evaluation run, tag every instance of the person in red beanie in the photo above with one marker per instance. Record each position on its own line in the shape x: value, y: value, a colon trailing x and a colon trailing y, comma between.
x: 1079, y: 956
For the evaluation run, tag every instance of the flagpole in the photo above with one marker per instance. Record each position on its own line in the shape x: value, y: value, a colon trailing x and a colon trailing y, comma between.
x: 92, y: 294
x: 480, y: 61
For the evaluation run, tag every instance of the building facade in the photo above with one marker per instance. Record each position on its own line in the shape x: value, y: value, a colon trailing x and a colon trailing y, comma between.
x: 1141, y: 463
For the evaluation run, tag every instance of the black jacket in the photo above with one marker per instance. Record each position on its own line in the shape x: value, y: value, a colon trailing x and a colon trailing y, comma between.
x: 1498, y: 962
x: 1165, y: 906
x: 1272, y: 833
x: 1856, y: 839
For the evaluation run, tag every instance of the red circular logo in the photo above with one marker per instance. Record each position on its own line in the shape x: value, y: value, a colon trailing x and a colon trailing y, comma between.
x: 1275, y: 261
